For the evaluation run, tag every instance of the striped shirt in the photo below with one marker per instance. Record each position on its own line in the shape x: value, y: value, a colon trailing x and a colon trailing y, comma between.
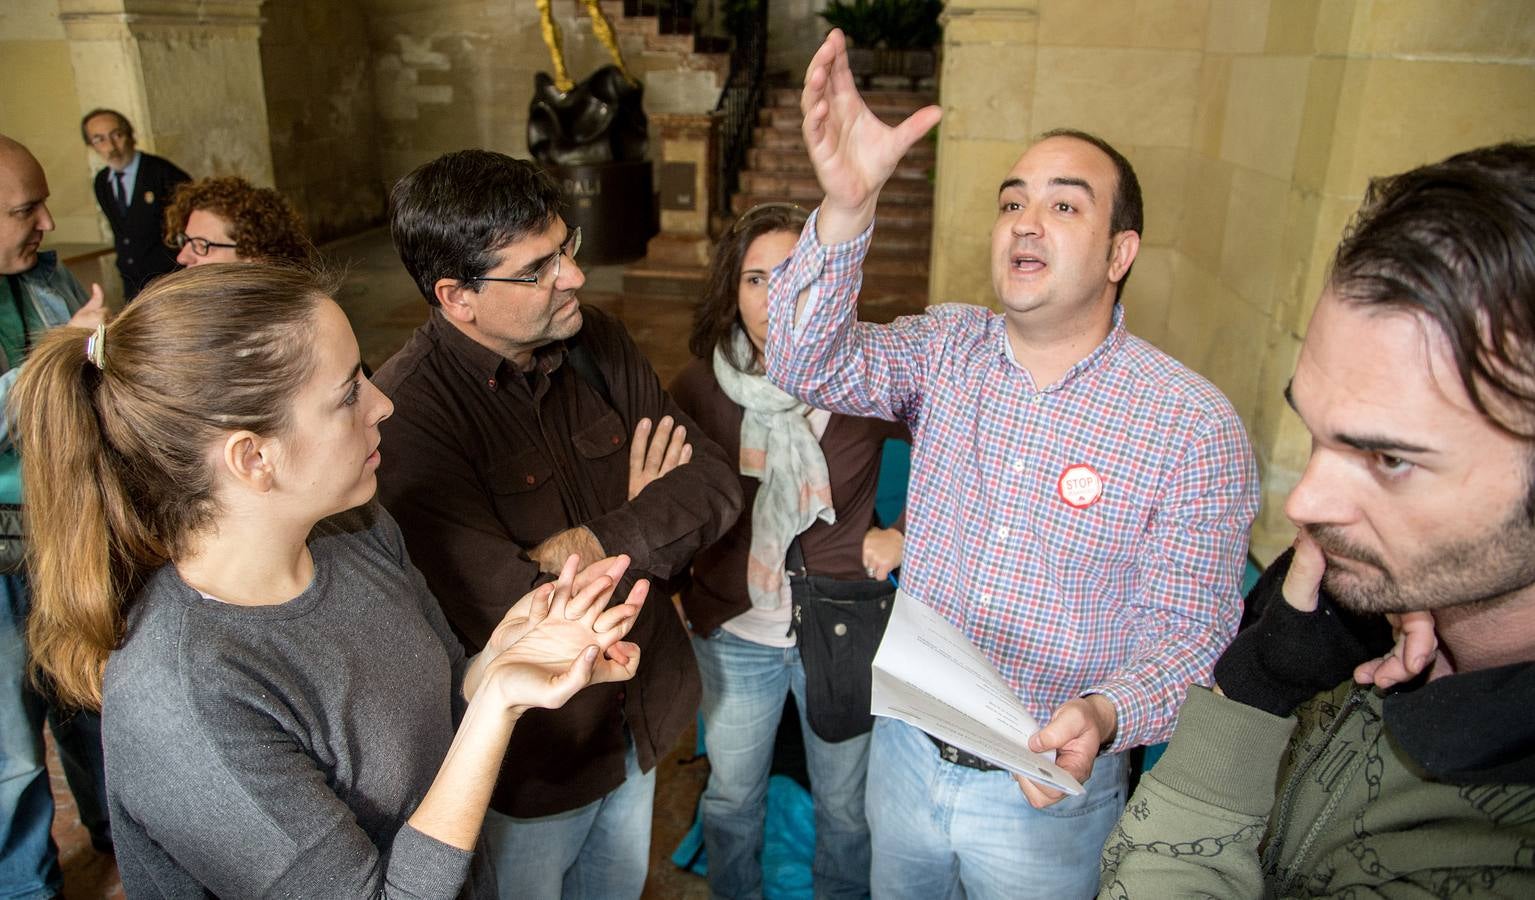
x: 1087, y: 536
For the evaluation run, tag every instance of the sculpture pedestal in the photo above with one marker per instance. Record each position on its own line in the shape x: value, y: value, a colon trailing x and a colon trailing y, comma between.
x: 614, y: 205
x: 678, y: 257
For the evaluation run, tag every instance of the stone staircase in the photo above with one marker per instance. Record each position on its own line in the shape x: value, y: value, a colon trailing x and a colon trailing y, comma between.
x: 682, y: 71
x: 895, y: 272
x: 778, y: 169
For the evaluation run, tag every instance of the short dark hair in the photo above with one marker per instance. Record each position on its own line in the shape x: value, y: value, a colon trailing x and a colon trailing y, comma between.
x: 103, y: 111
x: 450, y: 217
x: 1454, y: 243
x: 719, y: 313
x: 1128, y: 212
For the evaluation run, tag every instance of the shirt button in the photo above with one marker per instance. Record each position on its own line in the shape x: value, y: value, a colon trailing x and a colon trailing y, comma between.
x: 839, y: 629
x: 621, y: 696
x: 617, y: 440
x: 490, y: 383
x: 531, y: 480
x: 1018, y: 466
x: 1037, y: 398
x: 985, y: 599
x: 1002, y: 533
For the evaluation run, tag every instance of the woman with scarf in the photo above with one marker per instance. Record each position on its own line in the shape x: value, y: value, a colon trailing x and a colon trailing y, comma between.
x: 809, y: 481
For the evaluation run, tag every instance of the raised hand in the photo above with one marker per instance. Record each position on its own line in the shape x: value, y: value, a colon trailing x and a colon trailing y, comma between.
x: 853, y: 152
x: 1303, y: 583
x: 653, y: 455
x: 1416, y: 641
x: 533, y: 606
x: 567, y: 641
x: 93, y: 313
x: 1417, y: 646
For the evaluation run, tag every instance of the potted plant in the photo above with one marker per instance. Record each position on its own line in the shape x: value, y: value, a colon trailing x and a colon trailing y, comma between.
x: 888, y: 37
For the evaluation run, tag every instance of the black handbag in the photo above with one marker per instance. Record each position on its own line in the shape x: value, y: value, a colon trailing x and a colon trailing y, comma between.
x: 13, y: 545
x: 838, y: 625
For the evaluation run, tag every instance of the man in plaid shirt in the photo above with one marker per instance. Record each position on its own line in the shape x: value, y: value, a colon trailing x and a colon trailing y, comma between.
x: 1079, y: 503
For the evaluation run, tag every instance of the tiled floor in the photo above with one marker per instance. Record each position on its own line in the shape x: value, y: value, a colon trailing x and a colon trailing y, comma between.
x: 385, y: 307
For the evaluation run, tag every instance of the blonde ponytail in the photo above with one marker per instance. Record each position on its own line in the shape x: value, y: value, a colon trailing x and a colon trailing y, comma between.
x: 114, y: 463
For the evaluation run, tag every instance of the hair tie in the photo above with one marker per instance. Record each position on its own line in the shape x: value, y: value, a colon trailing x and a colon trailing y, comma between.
x: 96, y: 347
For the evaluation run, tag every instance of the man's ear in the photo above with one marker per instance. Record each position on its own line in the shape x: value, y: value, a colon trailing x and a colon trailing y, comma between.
x: 1122, y: 250
x: 455, y: 298
x: 248, y: 459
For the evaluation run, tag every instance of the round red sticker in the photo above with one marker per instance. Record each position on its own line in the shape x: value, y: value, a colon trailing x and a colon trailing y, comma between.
x: 1079, y: 486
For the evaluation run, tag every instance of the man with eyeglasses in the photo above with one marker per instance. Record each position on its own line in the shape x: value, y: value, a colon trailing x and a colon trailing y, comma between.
x: 528, y: 428
x: 133, y: 190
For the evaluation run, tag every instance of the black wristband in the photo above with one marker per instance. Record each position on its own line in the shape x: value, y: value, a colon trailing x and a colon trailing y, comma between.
x: 1288, y: 656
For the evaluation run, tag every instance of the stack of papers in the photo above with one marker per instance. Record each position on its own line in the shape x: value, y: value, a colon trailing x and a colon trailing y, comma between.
x: 928, y: 675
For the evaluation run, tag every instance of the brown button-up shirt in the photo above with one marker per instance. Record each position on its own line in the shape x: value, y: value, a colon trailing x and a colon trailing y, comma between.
x: 482, y: 462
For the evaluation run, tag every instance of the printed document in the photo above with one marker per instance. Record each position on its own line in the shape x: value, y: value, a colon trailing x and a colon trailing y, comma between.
x: 928, y: 675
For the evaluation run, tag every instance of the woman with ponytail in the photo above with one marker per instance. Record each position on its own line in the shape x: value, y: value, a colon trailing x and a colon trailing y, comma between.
x: 278, y: 687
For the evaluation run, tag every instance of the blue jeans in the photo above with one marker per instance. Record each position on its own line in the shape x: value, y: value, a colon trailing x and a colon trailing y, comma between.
x: 744, y: 688
x: 29, y: 861
x: 942, y: 830
x: 600, y: 851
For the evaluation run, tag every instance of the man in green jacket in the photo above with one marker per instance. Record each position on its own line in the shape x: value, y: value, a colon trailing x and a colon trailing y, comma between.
x: 1417, y: 383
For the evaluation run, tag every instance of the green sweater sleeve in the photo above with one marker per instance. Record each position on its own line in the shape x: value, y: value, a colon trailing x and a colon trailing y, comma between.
x: 1195, y: 823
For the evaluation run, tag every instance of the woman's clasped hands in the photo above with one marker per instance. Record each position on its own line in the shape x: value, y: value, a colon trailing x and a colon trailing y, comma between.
x: 562, y: 636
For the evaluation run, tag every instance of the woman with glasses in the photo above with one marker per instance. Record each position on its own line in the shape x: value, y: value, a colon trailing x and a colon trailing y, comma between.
x: 228, y: 219
x: 809, y: 482
x: 285, y: 711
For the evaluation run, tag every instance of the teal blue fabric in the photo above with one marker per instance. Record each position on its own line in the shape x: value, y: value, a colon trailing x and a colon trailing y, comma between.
x: 788, y: 846
x: 894, y: 472
x: 10, y: 476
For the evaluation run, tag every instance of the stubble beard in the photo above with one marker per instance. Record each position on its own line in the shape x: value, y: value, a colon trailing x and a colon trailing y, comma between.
x: 1478, y: 570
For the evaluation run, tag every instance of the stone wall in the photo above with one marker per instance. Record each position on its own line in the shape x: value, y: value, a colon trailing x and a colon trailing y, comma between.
x: 318, y: 74
x: 450, y: 74
x: 795, y: 30
x: 38, y: 107
x: 1254, y: 126
x: 187, y: 72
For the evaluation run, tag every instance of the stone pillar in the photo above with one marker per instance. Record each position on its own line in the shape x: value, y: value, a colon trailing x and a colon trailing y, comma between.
x: 686, y: 174
x: 986, y: 90
x: 187, y: 72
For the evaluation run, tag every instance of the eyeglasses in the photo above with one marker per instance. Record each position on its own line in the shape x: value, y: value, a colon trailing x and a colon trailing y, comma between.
x: 200, y: 246
x: 570, y: 248
x: 793, y: 211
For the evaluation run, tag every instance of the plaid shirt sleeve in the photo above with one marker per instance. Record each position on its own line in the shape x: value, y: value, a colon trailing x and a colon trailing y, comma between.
x: 1193, y: 555
x: 826, y: 357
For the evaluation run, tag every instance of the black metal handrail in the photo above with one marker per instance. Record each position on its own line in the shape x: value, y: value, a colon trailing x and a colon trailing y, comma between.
x: 747, y: 21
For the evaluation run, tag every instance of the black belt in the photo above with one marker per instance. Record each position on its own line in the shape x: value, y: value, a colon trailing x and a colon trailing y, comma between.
x: 958, y: 757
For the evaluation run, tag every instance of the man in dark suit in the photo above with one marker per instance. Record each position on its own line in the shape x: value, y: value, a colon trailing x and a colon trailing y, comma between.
x: 133, y: 190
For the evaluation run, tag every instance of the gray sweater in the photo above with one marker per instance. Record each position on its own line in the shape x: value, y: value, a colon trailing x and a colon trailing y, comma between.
x: 277, y: 751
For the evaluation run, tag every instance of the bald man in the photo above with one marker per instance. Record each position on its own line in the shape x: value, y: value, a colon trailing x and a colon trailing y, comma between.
x: 36, y: 294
